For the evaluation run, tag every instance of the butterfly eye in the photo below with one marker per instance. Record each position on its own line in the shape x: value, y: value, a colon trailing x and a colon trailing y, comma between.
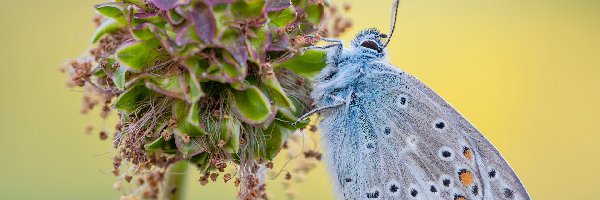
x: 371, y: 45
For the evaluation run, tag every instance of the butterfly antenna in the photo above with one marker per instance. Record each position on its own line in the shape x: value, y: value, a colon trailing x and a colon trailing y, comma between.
x: 393, y: 25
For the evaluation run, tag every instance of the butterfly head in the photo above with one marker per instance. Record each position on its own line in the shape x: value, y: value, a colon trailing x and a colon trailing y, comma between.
x: 371, y: 42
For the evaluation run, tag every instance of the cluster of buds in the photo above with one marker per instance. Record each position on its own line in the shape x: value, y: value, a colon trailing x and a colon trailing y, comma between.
x: 208, y: 82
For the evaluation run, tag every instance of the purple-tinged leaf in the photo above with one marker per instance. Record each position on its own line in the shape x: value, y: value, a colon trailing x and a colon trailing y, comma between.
x: 235, y: 43
x: 234, y: 70
x: 275, y: 5
x: 182, y: 35
x: 174, y: 16
x: 168, y: 4
x: 258, y: 44
x: 204, y: 22
x: 279, y: 42
x: 144, y: 15
x: 213, y: 2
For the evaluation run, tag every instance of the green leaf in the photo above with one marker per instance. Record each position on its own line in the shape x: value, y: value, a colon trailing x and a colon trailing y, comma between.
x: 314, y: 12
x: 299, y: 3
x: 186, y: 123
x: 233, y: 41
x: 211, y: 125
x: 259, y: 43
x: 119, y: 78
x: 252, y: 106
x: 108, y: 26
x: 283, y: 17
x: 232, y: 128
x: 128, y: 100
x: 277, y: 93
x: 193, y: 117
x: 168, y: 86
x: 159, y: 142
x: 114, y: 10
x: 195, y: 91
x: 202, y: 161
x: 155, y: 145
x: 139, y: 55
x: 191, y: 148
x: 308, y: 64
x: 143, y: 32
x: 139, y: 3
x: 278, y: 134
x: 248, y: 8
x: 157, y: 20
x: 196, y: 66
x: 233, y: 70
x: 175, y: 17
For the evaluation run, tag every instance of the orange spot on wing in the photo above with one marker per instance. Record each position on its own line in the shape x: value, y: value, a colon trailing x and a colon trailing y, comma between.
x: 466, y: 177
x: 468, y: 154
x: 460, y: 198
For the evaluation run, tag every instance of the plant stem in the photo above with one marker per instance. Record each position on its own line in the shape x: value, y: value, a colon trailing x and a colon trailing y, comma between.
x: 175, y: 182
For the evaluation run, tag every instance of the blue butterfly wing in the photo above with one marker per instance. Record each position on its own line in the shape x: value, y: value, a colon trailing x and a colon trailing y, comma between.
x: 394, y: 138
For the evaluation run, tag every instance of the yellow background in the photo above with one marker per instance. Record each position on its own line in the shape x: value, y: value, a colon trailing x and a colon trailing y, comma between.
x: 525, y: 72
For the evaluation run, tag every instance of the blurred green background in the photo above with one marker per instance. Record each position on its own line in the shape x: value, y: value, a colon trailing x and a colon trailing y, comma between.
x: 524, y: 72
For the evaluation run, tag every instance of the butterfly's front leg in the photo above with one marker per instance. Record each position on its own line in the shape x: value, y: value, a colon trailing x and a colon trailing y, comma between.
x: 336, y: 102
x: 317, y: 110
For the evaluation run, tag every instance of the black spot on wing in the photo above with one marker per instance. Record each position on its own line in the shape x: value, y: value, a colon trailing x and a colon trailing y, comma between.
x: 475, y: 190
x: 492, y: 173
x: 394, y: 188
x: 414, y: 193
x: 508, y: 193
x: 373, y: 195
x: 387, y: 130
x: 440, y: 125
x: 446, y: 182
x: 402, y: 101
x: 433, y: 189
x: 446, y: 154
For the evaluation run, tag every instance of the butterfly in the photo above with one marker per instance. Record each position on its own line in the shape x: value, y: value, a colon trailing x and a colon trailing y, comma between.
x: 387, y: 135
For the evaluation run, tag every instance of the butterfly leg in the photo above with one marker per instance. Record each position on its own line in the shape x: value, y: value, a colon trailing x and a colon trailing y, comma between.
x: 332, y: 40
x: 317, y: 110
x: 338, y: 47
